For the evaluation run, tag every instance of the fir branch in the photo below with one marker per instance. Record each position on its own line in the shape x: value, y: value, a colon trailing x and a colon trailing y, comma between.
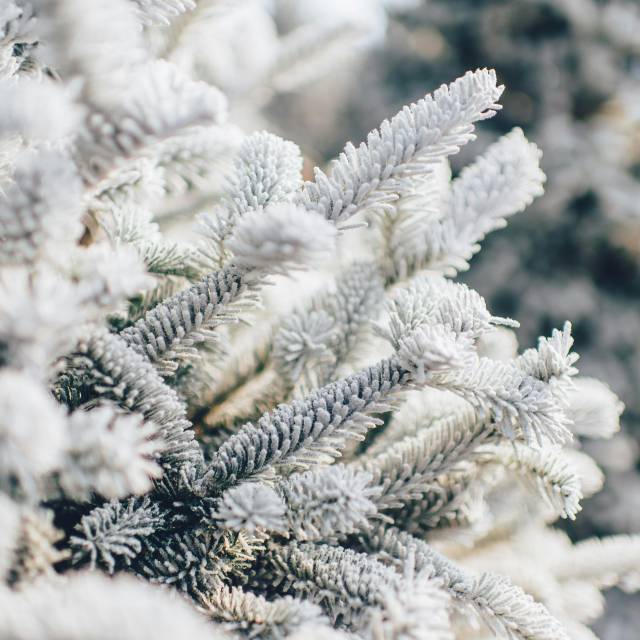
x: 604, y: 562
x: 196, y: 563
x: 39, y: 211
x: 266, y: 171
x: 408, y: 469
x: 506, y: 609
x: 110, y: 454
x: 306, y: 431
x: 547, y: 470
x: 251, y: 506
x: 343, y: 582
x: 162, y: 103
x: 328, y: 503
x: 501, y: 183
x: 256, y: 617
x: 105, y: 366
x: 404, y: 149
x: 115, y: 534
x: 312, y: 343
x: 161, y: 12
x: 35, y: 549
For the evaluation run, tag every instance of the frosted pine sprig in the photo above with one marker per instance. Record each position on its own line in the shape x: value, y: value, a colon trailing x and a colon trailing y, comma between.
x: 404, y: 149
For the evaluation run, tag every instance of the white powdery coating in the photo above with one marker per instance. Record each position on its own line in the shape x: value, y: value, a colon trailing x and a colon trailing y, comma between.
x: 251, y: 506
x: 594, y: 409
x: 22, y: 101
x: 434, y: 349
x: 90, y: 606
x: 33, y: 433
x: 281, y: 237
x: 109, y: 453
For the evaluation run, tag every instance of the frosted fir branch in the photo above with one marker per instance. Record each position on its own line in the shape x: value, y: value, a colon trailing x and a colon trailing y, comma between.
x: 317, y: 428
x: 106, y: 276
x: 196, y: 563
x: 306, y: 431
x: 405, y: 148
x: 39, y: 211
x: 502, y: 182
x: 506, y: 608
x: 263, y: 242
x: 281, y: 238
x: 408, y: 469
x: 519, y: 405
x: 162, y: 103
x: 114, y: 534
x: 327, y: 503
x: 604, y: 562
x: 256, y: 617
x: 161, y: 12
x: 133, y: 225
x: 429, y: 350
x: 310, y: 51
x: 593, y: 408
x: 177, y: 323
x: 104, y: 366
x: 453, y: 499
x: 266, y: 171
x: 345, y: 583
x: 109, y: 453
x: 92, y: 606
x: 35, y: 550
x: 21, y: 113
x: 313, y: 342
x: 40, y: 315
x: 546, y: 470
x: 420, y: 612
x: 94, y: 45
x: 138, y: 182
x: 405, y: 230
x: 553, y: 360
x: 251, y: 506
x: 422, y: 410
x: 191, y: 160
x: 33, y: 434
x: 436, y: 301
x: 302, y: 345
